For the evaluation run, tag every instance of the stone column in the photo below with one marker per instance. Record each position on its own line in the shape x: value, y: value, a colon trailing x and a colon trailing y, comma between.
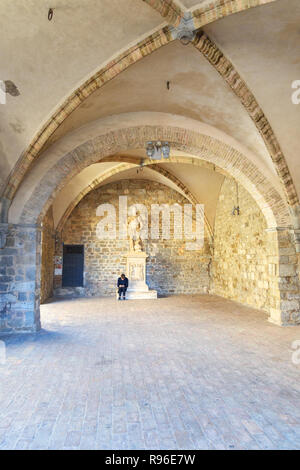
x: 289, y: 284
x: 20, y: 262
x: 288, y: 308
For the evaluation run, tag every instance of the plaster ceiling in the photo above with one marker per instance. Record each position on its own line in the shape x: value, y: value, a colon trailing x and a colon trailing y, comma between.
x: 196, y: 91
x: 204, y: 184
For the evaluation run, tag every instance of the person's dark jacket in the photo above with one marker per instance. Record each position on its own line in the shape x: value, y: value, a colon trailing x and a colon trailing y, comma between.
x: 123, y: 282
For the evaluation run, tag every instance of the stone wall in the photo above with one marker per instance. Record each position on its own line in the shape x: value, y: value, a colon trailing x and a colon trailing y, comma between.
x: 170, y: 268
x: 48, y: 250
x: 253, y: 264
x: 245, y: 263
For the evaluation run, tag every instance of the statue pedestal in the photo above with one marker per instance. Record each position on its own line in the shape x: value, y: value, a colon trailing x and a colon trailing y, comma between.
x: 136, y: 273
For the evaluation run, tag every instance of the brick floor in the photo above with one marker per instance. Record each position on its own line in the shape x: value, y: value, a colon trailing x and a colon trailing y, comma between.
x: 173, y: 373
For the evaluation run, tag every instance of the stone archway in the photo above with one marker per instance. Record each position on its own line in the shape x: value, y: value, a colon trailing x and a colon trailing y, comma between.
x: 24, y: 235
x: 172, y: 266
x: 118, y: 170
x: 220, y: 9
x: 204, y: 147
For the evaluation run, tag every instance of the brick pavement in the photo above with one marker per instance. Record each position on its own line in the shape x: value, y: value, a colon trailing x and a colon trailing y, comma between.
x: 182, y: 372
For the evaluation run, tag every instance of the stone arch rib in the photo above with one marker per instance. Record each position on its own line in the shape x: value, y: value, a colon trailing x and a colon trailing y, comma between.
x: 225, y: 68
x: 168, y: 10
x: 90, y: 187
x: 222, y: 8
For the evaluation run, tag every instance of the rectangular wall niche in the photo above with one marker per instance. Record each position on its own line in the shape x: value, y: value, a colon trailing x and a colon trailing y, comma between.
x: 73, y: 265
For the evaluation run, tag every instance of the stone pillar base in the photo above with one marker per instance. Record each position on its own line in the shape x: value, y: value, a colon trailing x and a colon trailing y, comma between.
x: 276, y: 322
x: 136, y: 273
x: 283, y: 318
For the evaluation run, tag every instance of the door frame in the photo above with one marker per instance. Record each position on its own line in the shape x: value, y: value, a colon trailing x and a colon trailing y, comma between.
x: 83, y: 261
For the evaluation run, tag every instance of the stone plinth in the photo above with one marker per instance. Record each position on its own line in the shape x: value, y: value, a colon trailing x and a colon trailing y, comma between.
x: 136, y: 273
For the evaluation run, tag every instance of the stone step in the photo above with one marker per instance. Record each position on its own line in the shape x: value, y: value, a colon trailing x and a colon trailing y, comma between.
x: 134, y: 295
x: 69, y: 292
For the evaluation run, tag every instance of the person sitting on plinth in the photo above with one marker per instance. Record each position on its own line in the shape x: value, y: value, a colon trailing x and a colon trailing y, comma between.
x: 122, y: 286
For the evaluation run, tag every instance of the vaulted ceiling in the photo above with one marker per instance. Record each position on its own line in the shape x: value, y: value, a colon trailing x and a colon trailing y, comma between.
x: 45, y: 62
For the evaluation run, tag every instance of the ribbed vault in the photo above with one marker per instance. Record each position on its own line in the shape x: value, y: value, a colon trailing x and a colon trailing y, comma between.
x: 161, y: 37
